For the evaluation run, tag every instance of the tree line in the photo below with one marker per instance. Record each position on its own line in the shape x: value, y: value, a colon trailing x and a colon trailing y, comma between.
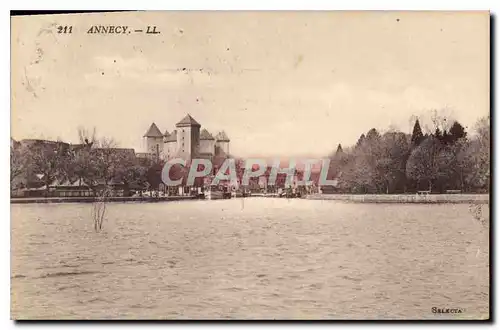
x: 96, y: 163
x: 446, y: 159
x: 443, y: 159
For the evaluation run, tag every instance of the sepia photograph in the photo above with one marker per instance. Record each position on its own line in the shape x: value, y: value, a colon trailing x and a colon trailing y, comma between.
x: 250, y: 165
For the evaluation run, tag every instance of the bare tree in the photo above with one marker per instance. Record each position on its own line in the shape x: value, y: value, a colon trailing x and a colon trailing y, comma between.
x: 87, y: 136
x: 99, y: 209
x: 96, y: 162
x: 442, y: 119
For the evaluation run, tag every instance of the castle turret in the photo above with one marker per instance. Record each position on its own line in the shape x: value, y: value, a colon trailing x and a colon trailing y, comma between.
x: 188, y: 138
x: 222, y: 143
x: 171, y: 145
x: 154, y: 141
x: 207, y: 143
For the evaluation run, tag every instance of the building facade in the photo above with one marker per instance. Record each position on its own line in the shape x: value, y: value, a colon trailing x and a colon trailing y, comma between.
x: 187, y: 141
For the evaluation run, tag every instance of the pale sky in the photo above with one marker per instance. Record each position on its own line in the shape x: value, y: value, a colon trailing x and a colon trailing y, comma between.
x: 278, y: 83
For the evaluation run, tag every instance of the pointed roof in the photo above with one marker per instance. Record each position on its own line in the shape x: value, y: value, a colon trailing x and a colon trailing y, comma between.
x: 188, y: 121
x: 205, y: 135
x: 79, y: 183
x: 153, y: 131
x: 222, y: 136
x: 172, y: 137
x: 166, y: 133
x: 65, y: 183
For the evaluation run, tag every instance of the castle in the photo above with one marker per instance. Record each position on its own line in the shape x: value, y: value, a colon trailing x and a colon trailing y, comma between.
x: 187, y: 141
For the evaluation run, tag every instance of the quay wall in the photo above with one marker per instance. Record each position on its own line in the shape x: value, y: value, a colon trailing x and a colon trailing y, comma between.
x: 369, y: 198
x: 29, y: 200
x: 407, y: 198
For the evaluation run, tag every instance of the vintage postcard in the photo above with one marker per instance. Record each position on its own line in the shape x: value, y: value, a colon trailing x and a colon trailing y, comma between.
x: 250, y: 165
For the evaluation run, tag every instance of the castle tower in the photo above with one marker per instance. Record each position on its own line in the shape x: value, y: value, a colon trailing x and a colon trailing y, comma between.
x: 170, y: 145
x: 222, y: 144
x: 207, y: 144
x: 154, y: 141
x: 188, y: 138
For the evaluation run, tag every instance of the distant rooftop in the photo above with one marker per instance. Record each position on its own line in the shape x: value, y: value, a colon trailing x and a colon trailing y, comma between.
x: 188, y: 121
x: 172, y: 137
x: 205, y: 135
x: 123, y: 152
x: 31, y: 141
x: 222, y: 137
x: 153, y: 131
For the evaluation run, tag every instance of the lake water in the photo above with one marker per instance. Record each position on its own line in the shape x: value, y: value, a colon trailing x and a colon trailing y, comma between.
x: 254, y: 258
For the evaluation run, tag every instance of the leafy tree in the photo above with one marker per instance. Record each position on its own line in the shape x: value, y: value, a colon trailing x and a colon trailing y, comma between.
x: 363, y: 174
x: 83, y: 167
x: 397, y: 162
x: 361, y: 140
x: 339, y: 149
x: 438, y: 134
x: 359, y: 170
x: 446, y: 138
x: 391, y: 163
x: 417, y: 136
x: 457, y: 132
x: 446, y: 167
x: 130, y: 172
x: 373, y: 136
x: 422, y: 164
x: 48, y: 160
x: 153, y: 175
x: 478, y: 154
x: 18, y: 163
x: 464, y: 163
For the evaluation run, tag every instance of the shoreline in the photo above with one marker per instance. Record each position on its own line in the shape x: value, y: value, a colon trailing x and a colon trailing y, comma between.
x: 49, y: 200
x: 406, y: 198
x: 349, y: 198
